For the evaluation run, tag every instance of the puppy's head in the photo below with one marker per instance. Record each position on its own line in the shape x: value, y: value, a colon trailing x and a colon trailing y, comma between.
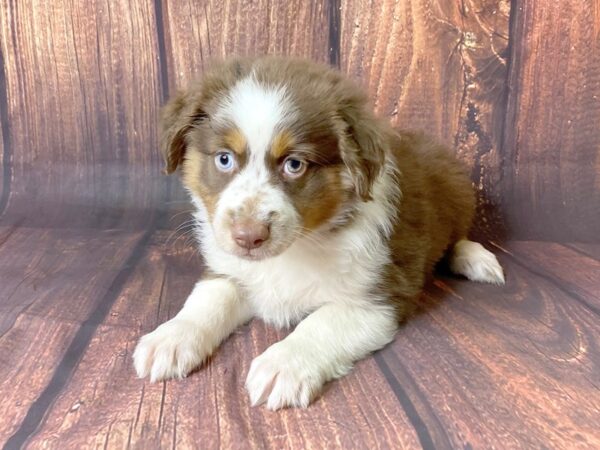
x: 272, y: 149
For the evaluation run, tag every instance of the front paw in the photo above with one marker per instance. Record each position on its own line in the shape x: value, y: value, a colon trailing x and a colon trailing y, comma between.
x: 285, y: 375
x: 173, y: 350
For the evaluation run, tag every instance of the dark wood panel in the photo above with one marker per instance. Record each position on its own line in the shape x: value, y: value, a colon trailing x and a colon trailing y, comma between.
x: 199, y: 31
x: 104, y: 403
x: 438, y: 66
x: 83, y: 88
x: 4, y: 186
x: 552, y: 139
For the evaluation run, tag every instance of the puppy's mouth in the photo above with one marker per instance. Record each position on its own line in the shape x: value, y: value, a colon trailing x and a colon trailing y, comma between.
x: 256, y: 254
x: 269, y: 249
x: 252, y: 255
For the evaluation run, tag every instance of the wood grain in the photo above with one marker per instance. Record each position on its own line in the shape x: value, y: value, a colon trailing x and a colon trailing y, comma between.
x: 481, y: 367
x: 587, y: 249
x: 29, y: 353
x: 582, y: 284
x: 90, y: 258
x: 4, y: 173
x: 57, y: 273
x: 200, y: 31
x: 552, y: 142
x: 50, y: 281
x: 530, y: 347
x: 441, y: 67
x: 83, y: 86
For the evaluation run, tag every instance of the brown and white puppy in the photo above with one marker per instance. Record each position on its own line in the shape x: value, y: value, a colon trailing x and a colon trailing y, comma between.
x: 309, y: 210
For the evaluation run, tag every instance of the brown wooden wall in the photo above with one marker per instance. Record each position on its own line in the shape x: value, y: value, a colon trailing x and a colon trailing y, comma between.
x: 512, y: 87
x: 89, y: 260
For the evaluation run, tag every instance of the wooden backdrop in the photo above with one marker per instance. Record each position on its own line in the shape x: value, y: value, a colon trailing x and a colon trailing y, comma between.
x: 512, y: 87
x: 87, y: 219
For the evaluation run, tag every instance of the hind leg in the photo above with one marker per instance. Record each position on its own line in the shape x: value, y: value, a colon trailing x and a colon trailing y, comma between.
x: 472, y: 260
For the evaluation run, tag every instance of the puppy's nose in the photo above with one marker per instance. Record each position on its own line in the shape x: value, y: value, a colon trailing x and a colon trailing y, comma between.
x: 250, y: 234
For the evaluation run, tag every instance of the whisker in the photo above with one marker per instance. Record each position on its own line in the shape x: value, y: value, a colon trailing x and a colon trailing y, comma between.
x: 184, y: 227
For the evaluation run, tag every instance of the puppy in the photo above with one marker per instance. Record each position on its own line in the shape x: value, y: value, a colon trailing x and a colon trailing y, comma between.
x: 310, y: 211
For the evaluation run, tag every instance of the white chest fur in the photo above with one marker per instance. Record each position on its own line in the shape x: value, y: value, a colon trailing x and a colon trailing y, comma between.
x: 313, y: 271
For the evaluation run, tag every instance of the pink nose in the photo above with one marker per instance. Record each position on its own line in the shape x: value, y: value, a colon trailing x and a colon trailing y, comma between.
x: 250, y: 234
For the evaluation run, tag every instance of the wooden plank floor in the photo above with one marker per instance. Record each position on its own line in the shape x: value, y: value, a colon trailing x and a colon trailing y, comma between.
x: 480, y: 367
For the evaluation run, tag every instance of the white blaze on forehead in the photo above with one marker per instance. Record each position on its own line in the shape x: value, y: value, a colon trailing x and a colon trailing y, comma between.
x: 258, y: 111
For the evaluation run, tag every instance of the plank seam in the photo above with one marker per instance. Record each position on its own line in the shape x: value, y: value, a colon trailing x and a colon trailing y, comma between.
x: 510, y: 100
x: 79, y: 344
x: 334, y: 33
x: 162, y: 50
x: 413, y: 416
x: 6, y: 143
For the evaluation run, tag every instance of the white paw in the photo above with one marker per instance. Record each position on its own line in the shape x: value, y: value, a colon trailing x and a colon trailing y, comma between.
x: 173, y: 350
x: 284, y: 375
x: 475, y: 262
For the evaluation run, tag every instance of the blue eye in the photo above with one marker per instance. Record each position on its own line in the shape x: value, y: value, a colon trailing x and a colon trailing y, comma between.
x: 294, y: 168
x: 225, y: 161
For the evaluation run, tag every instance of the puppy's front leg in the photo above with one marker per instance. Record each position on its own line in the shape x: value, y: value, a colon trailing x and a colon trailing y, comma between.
x: 322, y: 347
x: 211, y: 312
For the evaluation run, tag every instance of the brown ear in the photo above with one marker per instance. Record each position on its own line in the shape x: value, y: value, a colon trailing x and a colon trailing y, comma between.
x: 178, y: 116
x: 363, y: 147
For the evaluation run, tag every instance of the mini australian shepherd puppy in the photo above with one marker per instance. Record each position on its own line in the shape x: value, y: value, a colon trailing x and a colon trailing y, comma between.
x: 310, y: 211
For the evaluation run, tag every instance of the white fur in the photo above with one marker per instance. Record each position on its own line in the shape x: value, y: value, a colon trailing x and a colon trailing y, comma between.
x: 322, y: 347
x: 258, y: 111
x: 476, y: 263
x: 211, y: 312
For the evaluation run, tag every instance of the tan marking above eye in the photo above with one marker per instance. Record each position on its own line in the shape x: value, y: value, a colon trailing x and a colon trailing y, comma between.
x: 235, y: 141
x: 281, y: 143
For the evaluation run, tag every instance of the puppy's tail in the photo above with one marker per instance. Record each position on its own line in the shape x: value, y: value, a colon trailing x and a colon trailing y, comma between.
x: 475, y: 262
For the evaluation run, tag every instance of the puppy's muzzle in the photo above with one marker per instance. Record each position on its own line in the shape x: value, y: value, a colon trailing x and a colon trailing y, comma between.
x: 250, y: 234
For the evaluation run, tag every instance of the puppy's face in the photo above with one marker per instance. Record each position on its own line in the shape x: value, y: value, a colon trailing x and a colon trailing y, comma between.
x: 272, y: 150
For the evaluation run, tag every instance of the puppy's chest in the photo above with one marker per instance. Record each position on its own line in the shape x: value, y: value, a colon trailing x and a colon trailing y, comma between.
x: 285, y: 289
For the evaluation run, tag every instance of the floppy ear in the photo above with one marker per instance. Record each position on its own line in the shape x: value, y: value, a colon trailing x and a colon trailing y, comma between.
x: 363, y: 148
x: 177, y: 118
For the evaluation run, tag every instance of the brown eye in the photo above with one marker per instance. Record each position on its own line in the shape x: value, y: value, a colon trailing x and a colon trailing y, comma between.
x: 294, y: 167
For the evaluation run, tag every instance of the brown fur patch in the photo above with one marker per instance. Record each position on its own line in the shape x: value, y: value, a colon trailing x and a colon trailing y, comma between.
x: 318, y: 195
x: 199, y: 171
x: 194, y: 165
x: 234, y: 140
x: 436, y: 210
x: 321, y: 202
x: 282, y: 143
